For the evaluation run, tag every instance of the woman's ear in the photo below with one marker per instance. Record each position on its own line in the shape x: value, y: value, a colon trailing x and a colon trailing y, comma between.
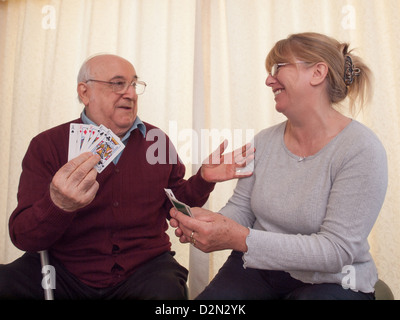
x: 83, y: 93
x: 319, y: 74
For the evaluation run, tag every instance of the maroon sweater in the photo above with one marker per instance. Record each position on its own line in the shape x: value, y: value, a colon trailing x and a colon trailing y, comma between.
x: 124, y: 226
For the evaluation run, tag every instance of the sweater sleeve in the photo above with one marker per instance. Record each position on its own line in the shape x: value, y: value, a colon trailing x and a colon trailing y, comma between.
x: 37, y: 223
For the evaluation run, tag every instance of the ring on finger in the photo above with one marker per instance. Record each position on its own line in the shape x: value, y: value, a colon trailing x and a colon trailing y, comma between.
x: 192, y: 239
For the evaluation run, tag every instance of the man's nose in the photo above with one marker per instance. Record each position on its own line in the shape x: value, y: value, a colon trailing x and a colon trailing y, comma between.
x: 131, y: 92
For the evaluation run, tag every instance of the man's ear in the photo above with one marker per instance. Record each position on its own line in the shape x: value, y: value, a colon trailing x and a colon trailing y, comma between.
x: 83, y: 93
x: 319, y: 74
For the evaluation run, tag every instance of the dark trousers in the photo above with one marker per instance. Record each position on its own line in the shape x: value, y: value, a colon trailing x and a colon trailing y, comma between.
x: 233, y: 282
x: 162, y: 278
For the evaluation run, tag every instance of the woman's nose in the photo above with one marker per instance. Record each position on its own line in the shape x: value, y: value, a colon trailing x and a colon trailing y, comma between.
x: 270, y: 81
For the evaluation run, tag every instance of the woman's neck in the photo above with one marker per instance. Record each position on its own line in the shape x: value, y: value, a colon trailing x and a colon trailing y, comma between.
x: 305, y: 137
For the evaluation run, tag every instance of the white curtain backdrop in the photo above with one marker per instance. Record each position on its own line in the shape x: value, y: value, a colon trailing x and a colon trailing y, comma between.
x: 203, y: 61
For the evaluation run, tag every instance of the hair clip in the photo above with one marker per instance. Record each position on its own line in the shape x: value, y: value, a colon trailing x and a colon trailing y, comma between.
x: 350, y: 71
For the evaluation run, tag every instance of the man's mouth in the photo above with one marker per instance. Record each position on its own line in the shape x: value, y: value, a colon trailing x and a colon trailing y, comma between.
x: 125, y: 107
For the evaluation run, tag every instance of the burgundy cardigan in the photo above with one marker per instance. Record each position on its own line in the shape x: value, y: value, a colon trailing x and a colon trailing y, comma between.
x: 124, y: 226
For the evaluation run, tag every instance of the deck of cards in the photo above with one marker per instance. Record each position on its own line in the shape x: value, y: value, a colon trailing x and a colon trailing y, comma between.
x: 94, y: 139
x: 180, y: 206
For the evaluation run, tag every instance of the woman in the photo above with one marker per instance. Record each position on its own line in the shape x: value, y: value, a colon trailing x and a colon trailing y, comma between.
x: 298, y: 227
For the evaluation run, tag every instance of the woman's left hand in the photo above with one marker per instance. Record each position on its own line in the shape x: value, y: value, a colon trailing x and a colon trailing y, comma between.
x: 209, y: 231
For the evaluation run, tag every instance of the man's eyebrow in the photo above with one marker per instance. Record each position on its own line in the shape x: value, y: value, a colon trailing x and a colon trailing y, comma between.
x: 135, y: 77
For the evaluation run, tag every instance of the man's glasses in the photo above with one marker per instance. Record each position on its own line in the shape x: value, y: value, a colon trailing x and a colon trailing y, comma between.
x: 120, y: 87
x: 277, y: 66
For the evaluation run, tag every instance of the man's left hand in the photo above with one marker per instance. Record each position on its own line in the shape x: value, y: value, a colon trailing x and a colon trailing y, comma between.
x: 220, y: 167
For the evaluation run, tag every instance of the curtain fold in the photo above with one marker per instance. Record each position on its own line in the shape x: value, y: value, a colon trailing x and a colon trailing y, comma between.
x: 203, y: 61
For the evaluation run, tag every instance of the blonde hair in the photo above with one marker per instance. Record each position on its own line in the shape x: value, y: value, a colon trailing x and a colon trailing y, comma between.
x: 312, y: 48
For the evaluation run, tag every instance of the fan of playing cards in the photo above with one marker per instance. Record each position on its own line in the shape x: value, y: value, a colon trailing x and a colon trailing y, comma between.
x: 94, y: 139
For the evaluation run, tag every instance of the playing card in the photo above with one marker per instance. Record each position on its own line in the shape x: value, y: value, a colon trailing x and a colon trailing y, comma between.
x: 180, y: 206
x: 90, y: 138
x: 73, y: 133
x: 107, y: 146
x: 98, y: 134
x: 92, y: 131
x: 83, y: 131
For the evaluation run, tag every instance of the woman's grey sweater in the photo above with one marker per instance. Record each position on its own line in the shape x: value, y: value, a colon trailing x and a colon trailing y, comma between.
x: 312, y: 216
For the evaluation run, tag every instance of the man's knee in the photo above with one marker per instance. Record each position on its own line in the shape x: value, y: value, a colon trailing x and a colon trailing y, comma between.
x: 162, y: 278
x: 21, y: 279
x: 6, y: 282
x: 169, y: 288
x: 169, y: 279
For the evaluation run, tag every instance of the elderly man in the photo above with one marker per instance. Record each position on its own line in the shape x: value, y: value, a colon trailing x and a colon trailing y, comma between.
x: 105, y: 232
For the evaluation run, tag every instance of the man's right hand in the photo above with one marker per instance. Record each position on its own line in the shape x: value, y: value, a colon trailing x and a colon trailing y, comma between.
x: 74, y: 186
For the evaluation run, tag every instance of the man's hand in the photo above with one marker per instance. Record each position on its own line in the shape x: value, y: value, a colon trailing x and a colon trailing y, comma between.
x: 74, y: 186
x: 220, y: 167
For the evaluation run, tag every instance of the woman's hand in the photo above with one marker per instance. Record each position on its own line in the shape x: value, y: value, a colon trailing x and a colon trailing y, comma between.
x: 209, y: 231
